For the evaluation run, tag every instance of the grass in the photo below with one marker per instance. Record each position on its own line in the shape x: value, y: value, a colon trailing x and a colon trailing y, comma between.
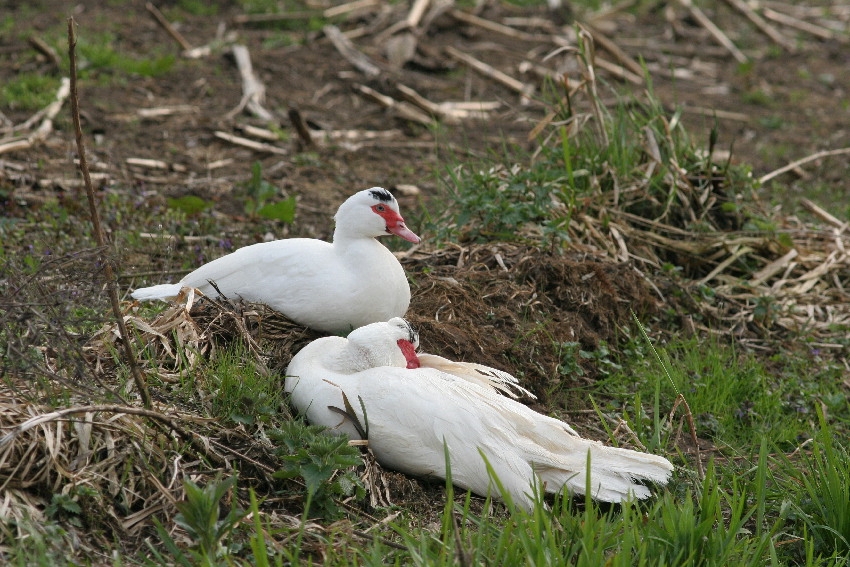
x: 732, y: 394
x: 102, y: 53
x: 28, y: 91
x: 517, y: 197
x: 720, y: 521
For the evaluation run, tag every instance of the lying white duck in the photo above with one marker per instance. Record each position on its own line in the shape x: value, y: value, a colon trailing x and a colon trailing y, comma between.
x: 331, y: 287
x: 406, y: 410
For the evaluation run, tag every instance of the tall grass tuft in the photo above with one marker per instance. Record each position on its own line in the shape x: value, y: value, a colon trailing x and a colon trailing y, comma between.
x: 824, y: 507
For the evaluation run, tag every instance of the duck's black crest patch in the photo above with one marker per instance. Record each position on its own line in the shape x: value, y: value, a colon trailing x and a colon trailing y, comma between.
x: 412, y: 335
x: 382, y: 195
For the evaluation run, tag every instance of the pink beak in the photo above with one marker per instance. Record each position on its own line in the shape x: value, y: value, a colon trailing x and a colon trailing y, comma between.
x: 395, y: 224
x: 400, y: 229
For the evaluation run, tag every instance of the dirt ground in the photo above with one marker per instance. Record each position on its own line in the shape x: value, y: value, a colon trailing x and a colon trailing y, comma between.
x: 782, y: 106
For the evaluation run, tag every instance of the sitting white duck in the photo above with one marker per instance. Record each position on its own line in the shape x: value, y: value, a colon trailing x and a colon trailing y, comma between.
x: 331, y: 287
x: 374, y: 385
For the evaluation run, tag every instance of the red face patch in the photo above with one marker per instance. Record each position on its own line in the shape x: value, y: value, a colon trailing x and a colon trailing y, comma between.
x: 390, y: 217
x: 395, y: 223
x: 409, y: 352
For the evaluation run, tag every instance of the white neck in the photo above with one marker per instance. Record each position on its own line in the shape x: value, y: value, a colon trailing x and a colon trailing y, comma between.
x: 347, y: 360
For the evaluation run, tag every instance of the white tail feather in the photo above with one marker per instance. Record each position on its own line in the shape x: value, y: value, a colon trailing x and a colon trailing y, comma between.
x: 162, y: 291
x: 615, y: 474
x: 479, y: 374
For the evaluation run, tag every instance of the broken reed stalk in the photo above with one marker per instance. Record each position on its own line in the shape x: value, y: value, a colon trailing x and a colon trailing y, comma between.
x: 37, y: 420
x: 587, y: 53
x: 680, y: 400
x: 172, y: 31
x: 111, y: 282
x: 795, y: 164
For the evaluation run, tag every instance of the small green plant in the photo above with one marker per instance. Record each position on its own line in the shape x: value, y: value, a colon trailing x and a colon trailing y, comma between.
x: 7, y: 24
x: 497, y: 202
x: 190, y: 205
x: 200, y: 516
x: 261, y: 193
x: 568, y: 355
x: 758, y: 97
x: 99, y: 53
x: 731, y: 394
x: 260, y: 6
x: 319, y: 458
x: 198, y: 7
x: 28, y: 91
x: 704, y: 529
x: 773, y: 122
x: 36, y: 542
x: 65, y: 507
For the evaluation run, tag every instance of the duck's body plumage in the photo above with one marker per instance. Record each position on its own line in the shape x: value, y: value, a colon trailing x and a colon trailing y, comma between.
x: 411, y: 410
x: 332, y: 287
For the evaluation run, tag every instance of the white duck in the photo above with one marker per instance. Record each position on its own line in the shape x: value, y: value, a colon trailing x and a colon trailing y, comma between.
x: 331, y: 287
x: 411, y: 409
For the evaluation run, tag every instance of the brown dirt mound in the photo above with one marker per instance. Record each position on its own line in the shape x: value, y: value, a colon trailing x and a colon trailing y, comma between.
x: 514, y: 307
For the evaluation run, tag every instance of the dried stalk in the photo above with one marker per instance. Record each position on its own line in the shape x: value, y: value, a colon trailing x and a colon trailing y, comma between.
x: 618, y: 71
x: 168, y: 110
x: 587, y: 56
x: 356, y: 7
x: 824, y: 215
x: 762, y: 25
x: 161, y: 20
x: 608, y: 45
x: 51, y: 54
x: 300, y: 126
x: 111, y: 281
x: 253, y: 90
x: 489, y: 25
x: 351, y: 54
x: 108, y: 408
x: 793, y: 165
x: 46, y: 115
x: 416, y: 13
x: 404, y: 109
x: 715, y: 31
x: 524, y: 89
x: 791, y: 22
x: 250, y: 144
x: 448, y: 111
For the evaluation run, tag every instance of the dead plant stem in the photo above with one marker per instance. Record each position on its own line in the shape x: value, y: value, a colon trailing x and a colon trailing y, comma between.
x: 795, y: 164
x: 111, y: 282
x: 197, y: 441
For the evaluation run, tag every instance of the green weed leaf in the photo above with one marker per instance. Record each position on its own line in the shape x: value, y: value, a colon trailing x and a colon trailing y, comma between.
x: 283, y: 211
x: 188, y: 204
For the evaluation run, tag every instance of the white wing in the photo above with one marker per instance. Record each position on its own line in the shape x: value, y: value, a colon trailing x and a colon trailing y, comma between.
x: 499, y: 380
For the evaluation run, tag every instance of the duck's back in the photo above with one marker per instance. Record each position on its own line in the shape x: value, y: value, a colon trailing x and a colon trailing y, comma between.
x: 314, y: 283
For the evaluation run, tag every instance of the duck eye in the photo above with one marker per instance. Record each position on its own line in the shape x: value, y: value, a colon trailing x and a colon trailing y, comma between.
x: 381, y: 208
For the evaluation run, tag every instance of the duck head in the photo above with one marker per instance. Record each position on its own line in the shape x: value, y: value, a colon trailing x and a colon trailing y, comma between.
x: 371, y: 213
x: 391, y: 343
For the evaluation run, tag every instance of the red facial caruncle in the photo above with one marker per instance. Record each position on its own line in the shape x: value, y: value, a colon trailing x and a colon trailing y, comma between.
x: 409, y: 352
x: 395, y: 223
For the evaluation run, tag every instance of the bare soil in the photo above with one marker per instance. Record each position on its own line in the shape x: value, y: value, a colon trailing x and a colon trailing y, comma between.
x: 790, y: 104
